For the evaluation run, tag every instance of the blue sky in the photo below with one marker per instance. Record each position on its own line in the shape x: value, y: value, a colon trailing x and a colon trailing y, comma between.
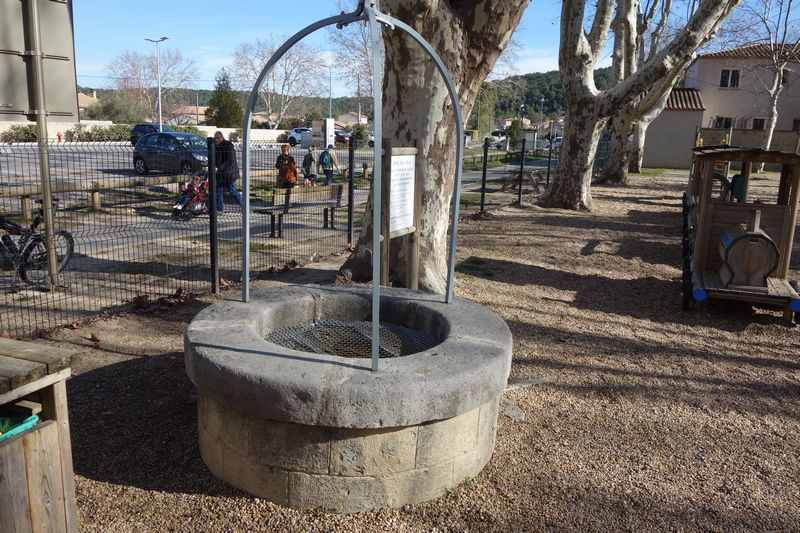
x: 208, y: 32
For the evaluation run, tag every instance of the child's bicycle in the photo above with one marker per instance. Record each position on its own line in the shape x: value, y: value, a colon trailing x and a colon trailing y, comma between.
x: 26, y: 249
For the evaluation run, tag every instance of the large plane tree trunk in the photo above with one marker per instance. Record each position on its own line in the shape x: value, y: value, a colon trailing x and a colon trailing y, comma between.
x: 616, y: 169
x: 578, y: 53
x: 469, y: 36
x: 582, y: 130
x: 636, y: 149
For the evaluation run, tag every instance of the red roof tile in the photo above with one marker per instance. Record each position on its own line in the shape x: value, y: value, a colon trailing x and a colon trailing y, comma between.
x: 758, y: 51
x: 682, y: 99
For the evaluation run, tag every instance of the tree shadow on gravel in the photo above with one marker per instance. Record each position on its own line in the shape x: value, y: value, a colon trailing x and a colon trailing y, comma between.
x: 647, y: 298
x: 607, y: 224
x: 135, y: 424
x: 580, y: 505
x: 645, y: 371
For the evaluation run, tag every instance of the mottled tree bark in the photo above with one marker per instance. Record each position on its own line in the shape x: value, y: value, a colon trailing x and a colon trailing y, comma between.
x: 588, y: 108
x: 636, y: 152
x: 469, y: 36
x: 616, y: 170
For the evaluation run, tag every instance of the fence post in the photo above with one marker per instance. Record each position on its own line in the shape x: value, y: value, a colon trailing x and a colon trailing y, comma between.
x: 549, y: 154
x: 351, y: 162
x: 213, y: 235
x: 483, y: 176
x: 521, y: 171
x: 40, y: 110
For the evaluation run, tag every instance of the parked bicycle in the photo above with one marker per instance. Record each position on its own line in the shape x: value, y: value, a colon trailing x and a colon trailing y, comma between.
x: 25, y: 248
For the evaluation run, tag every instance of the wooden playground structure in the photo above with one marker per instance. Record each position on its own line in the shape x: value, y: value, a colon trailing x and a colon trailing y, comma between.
x: 736, y: 247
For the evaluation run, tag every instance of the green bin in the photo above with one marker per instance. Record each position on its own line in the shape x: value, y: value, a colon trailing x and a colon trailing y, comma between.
x: 11, y: 425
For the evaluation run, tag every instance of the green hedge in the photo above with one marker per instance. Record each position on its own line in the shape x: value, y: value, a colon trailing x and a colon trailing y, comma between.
x: 22, y: 133
x: 116, y: 132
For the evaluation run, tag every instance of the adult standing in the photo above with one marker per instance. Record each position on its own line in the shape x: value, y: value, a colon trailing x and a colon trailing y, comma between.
x: 328, y: 162
x: 227, y: 170
x: 309, y: 162
x: 287, y: 169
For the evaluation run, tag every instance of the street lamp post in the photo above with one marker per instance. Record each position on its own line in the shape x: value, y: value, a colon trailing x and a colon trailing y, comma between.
x: 330, y: 92
x: 158, y: 75
x: 541, y: 109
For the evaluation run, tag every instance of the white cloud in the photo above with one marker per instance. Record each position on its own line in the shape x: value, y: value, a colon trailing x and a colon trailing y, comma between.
x: 535, y: 60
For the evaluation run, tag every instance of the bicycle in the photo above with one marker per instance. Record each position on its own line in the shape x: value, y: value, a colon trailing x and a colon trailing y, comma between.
x: 26, y: 249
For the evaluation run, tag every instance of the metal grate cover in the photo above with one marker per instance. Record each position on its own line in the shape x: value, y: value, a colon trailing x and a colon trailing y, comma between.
x: 351, y: 339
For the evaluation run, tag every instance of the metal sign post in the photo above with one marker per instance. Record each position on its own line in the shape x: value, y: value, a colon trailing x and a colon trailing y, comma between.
x: 40, y: 109
x: 213, y: 233
x: 369, y: 11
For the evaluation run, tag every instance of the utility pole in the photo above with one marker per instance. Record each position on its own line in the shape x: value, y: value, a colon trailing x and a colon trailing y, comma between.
x: 358, y: 95
x: 330, y: 92
x: 39, y: 109
x: 158, y: 75
x: 197, y: 107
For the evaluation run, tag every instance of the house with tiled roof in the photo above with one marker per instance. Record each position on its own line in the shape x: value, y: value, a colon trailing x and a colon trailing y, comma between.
x: 734, y: 82
x: 724, y: 97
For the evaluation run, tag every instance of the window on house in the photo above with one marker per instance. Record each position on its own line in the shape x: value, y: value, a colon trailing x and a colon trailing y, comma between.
x: 729, y: 78
x: 759, y: 123
x: 723, y: 122
x: 796, y: 124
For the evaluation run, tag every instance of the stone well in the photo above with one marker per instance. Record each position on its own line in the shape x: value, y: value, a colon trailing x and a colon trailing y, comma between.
x: 317, y: 430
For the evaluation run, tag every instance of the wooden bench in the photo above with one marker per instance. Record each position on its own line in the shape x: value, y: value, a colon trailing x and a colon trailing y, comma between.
x: 283, y: 201
x: 37, y: 491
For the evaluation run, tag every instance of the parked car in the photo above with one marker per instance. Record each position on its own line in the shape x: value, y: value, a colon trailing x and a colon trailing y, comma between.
x: 297, y: 136
x: 170, y: 152
x: 497, y: 139
x: 140, y: 130
x: 342, y: 136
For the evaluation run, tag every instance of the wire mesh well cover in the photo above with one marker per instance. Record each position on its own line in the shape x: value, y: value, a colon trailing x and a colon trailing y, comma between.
x: 351, y: 339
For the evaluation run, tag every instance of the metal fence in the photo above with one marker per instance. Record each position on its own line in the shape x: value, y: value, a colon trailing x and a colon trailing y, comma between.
x: 128, y: 246
x: 520, y: 172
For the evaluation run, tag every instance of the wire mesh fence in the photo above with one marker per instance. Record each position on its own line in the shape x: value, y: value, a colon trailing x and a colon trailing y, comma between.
x: 498, y: 176
x: 117, y: 205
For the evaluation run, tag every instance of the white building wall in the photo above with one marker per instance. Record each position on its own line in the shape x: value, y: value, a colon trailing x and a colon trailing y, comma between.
x: 670, y: 139
x: 750, y: 100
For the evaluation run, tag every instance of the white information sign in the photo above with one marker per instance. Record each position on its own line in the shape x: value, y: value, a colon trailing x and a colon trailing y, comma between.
x: 401, y: 195
x: 330, y: 133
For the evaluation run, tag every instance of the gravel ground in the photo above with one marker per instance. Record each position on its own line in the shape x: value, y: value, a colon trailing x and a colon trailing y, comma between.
x: 627, y: 414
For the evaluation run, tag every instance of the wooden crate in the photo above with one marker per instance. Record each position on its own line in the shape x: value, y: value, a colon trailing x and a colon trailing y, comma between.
x: 37, y: 491
x: 31, y: 484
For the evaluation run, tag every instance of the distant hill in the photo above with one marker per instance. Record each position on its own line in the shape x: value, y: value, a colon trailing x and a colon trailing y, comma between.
x: 536, y: 85
x: 513, y: 91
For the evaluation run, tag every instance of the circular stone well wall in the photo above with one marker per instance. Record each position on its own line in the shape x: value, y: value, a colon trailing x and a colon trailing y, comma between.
x: 314, y: 430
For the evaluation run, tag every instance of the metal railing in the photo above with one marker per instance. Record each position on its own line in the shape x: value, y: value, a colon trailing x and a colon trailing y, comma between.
x: 519, y: 172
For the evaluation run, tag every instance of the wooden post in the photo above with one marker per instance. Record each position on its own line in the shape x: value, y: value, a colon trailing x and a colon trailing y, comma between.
x: 412, y: 239
x: 791, y: 222
x: 43, y: 465
x: 783, y: 186
x: 54, y: 407
x: 386, y: 183
x: 704, y: 222
x: 746, y: 168
x: 96, y: 204
x: 27, y: 208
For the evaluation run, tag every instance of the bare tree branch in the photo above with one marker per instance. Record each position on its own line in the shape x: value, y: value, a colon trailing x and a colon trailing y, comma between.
x: 299, y: 73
